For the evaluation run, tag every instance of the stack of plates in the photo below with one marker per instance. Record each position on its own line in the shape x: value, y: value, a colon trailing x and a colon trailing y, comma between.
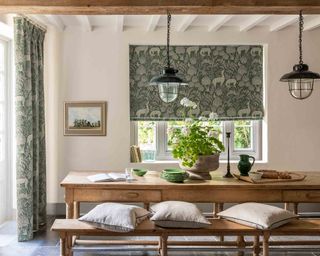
x: 174, y: 175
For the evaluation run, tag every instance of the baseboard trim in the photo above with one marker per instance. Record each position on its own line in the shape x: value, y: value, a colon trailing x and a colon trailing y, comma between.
x: 56, y: 209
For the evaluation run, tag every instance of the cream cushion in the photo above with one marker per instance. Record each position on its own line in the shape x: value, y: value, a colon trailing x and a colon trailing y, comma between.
x: 176, y: 214
x: 260, y: 216
x: 115, y: 217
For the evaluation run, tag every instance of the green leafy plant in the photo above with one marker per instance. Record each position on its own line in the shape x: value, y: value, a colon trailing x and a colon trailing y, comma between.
x: 197, y: 138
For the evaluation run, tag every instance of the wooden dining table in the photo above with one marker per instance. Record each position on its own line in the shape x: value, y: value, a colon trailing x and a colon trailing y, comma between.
x: 151, y: 188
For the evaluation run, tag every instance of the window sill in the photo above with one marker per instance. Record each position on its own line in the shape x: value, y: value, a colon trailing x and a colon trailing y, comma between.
x: 159, y: 162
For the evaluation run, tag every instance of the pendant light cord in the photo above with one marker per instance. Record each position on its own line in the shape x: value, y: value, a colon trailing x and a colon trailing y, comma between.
x: 300, y: 36
x: 168, y: 38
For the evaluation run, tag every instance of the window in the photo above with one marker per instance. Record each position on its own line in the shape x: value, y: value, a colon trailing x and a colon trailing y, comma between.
x: 155, y: 144
x: 5, y: 131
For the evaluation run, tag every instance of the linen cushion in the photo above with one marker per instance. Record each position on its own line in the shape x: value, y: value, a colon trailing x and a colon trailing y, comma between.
x: 260, y: 216
x: 176, y: 214
x: 115, y: 217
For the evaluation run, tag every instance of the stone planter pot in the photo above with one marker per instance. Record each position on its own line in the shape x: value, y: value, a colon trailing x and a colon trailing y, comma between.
x: 202, y: 168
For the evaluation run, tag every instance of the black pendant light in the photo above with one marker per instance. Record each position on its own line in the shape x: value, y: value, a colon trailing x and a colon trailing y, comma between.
x: 300, y: 80
x: 168, y: 82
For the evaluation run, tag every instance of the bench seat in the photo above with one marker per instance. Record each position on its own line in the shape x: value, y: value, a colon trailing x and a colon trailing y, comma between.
x: 219, y: 227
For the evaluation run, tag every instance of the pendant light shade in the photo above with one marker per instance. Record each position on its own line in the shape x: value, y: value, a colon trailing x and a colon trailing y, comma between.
x: 168, y: 82
x: 300, y: 80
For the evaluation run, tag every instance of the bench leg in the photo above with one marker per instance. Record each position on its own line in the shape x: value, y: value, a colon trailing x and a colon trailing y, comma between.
x: 76, y: 215
x: 63, y: 244
x: 164, y: 246
x: 256, y: 246
x: 241, y: 244
x: 265, y: 243
x: 69, y: 245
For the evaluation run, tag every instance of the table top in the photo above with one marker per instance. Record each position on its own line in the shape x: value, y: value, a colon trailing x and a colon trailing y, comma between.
x: 152, y: 180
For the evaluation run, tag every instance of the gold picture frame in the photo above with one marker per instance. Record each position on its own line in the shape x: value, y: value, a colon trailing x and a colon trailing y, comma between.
x: 85, y: 118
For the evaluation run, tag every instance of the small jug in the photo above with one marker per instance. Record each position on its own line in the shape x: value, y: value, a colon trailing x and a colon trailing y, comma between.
x: 244, y: 165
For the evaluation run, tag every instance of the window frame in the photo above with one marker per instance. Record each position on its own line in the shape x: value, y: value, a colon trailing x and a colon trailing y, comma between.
x: 6, y: 37
x: 163, y: 154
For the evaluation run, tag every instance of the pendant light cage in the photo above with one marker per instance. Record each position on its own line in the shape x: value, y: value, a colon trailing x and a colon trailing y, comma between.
x: 300, y: 80
x: 168, y: 82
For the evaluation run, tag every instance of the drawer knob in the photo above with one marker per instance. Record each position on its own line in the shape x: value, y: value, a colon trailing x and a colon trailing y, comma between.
x: 132, y: 194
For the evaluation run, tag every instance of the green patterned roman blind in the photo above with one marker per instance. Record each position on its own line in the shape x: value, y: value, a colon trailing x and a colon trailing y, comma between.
x: 224, y: 79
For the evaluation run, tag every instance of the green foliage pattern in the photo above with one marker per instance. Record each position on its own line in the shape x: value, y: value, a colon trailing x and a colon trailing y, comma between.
x: 194, y: 140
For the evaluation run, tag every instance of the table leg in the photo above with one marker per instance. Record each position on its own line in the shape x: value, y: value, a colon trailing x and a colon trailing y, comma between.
x: 216, y: 210
x: 295, y: 208
x: 68, y: 198
x: 220, y: 209
x: 160, y: 246
x: 146, y: 206
x: 76, y: 210
x: 69, y: 210
x: 287, y: 206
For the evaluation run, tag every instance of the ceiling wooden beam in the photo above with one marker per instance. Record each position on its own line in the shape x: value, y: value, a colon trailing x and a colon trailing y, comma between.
x: 312, y: 24
x: 219, y: 22
x: 120, y: 23
x: 122, y: 7
x: 85, y: 22
x: 186, y: 22
x: 153, y: 23
x: 252, y: 22
x: 283, y: 23
x: 56, y: 21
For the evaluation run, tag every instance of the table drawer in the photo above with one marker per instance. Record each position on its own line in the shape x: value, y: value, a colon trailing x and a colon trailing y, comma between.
x: 96, y: 195
x: 223, y: 195
x: 302, y: 196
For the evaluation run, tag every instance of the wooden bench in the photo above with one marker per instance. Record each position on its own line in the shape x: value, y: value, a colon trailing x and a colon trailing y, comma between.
x: 67, y: 228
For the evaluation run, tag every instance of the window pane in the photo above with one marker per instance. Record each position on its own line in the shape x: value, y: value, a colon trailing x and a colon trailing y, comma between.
x: 172, y: 125
x: 147, y: 139
x: 216, y: 125
x: 2, y: 147
x: 2, y: 117
x: 243, y: 135
x: 2, y: 55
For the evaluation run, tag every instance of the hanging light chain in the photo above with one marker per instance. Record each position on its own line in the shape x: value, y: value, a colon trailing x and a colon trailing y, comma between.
x: 300, y: 36
x: 168, y: 38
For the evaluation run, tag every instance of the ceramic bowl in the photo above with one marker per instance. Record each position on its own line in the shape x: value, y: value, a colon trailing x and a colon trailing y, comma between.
x: 140, y: 172
x: 174, y: 175
x: 255, y: 175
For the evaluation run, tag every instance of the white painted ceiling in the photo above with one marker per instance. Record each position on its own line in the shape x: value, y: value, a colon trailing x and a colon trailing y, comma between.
x: 179, y: 22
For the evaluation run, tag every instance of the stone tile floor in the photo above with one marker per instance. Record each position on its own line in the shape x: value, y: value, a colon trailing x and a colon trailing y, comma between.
x: 46, y: 243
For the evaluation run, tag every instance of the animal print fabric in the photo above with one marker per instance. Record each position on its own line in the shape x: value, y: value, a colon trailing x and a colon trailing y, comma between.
x: 224, y: 79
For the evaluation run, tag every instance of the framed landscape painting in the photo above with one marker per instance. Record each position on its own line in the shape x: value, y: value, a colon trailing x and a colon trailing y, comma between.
x: 85, y: 118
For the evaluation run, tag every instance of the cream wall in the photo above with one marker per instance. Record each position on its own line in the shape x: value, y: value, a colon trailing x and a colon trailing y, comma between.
x: 95, y: 66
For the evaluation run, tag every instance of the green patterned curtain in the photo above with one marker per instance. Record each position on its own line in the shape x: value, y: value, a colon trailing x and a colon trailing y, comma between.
x: 223, y: 79
x: 30, y: 128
